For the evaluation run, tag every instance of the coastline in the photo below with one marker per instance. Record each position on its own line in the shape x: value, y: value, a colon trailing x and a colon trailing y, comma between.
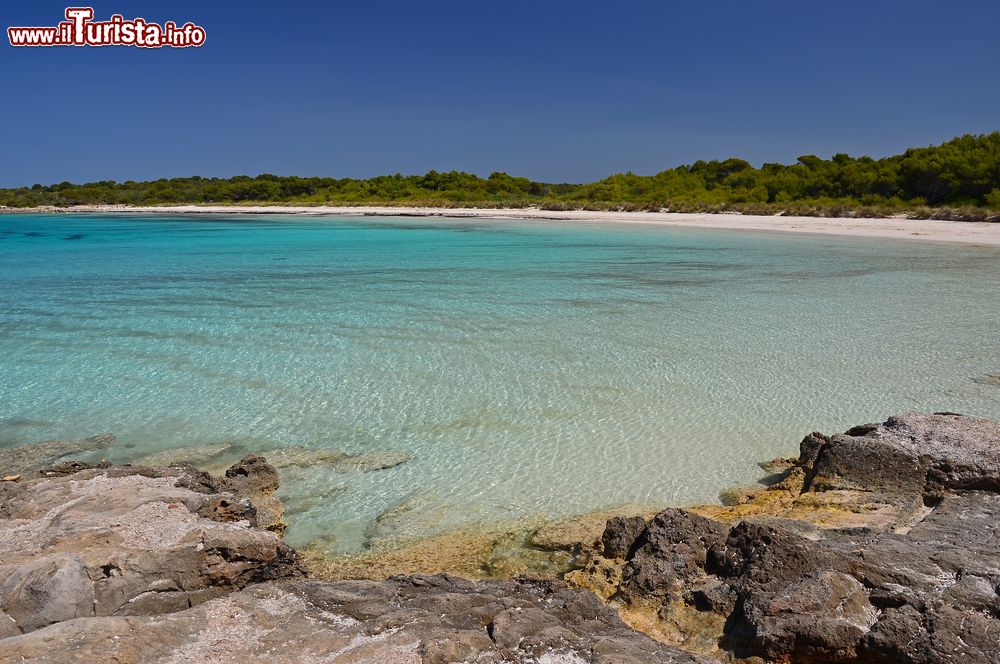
x: 933, y: 230
x: 877, y: 544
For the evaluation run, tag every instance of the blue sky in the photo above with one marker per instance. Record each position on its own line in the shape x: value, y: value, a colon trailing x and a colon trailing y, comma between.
x: 555, y: 91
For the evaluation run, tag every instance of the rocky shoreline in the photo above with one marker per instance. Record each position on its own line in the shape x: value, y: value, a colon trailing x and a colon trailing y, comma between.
x: 876, y: 545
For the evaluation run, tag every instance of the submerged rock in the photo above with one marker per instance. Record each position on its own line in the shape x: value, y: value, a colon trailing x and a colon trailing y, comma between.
x: 988, y: 379
x: 375, y: 461
x: 198, y: 456
x: 295, y: 456
x: 290, y: 457
x: 28, y: 459
x: 408, y: 519
x: 533, y: 546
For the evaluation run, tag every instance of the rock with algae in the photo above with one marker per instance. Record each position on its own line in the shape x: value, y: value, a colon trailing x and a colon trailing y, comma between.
x: 535, y: 546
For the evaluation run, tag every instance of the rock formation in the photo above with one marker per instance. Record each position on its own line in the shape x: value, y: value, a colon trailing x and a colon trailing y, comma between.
x: 125, y: 541
x: 877, y: 545
x: 130, y: 564
x: 28, y: 459
x: 918, y: 584
x: 404, y: 620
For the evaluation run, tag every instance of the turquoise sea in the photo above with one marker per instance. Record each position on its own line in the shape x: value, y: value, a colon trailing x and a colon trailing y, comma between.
x: 528, y: 367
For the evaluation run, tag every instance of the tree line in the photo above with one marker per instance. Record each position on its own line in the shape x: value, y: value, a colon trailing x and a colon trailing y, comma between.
x: 957, y: 179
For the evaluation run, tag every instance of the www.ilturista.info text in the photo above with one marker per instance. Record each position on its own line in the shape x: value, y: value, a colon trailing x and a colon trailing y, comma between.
x: 81, y: 30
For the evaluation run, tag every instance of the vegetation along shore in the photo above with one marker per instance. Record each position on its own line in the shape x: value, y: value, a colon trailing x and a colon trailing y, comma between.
x: 957, y: 180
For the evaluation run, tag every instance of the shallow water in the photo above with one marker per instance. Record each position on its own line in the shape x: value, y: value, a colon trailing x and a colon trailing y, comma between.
x: 528, y: 367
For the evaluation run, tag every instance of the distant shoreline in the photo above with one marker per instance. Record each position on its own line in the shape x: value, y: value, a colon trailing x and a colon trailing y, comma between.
x: 963, y: 232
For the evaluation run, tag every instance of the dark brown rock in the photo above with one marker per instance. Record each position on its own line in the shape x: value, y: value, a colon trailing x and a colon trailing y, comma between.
x: 252, y: 474
x: 810, y: 447
x: 913, y: 452
x: 673, y: 547
x: 621, y: 534
x: 919, y: 590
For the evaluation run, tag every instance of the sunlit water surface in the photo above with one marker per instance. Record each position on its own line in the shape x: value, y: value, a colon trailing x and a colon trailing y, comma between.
x: 529, y: 368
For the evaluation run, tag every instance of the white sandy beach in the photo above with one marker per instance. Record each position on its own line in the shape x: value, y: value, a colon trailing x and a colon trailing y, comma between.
x: 982, y: 233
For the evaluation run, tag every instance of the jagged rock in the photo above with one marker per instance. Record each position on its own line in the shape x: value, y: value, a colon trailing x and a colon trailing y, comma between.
x: 253, y: 474
x: 672, y: 548
x: 621, y: 534
x: 256, y: 479
x: 764, y: 557
x: 407, y: 620
x: 913, y: 452
x: 118, y: 541
x: 822, y: 615
x: 147, y: 565
x: 26, y: 460
x: 810, y: 447
x: 923, y: 589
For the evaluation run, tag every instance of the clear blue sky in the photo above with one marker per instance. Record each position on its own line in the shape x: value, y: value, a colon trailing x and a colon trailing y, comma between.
x: 555, y: 91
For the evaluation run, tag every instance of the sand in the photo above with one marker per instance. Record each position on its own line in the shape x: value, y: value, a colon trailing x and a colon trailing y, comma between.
x: 965, y: 232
